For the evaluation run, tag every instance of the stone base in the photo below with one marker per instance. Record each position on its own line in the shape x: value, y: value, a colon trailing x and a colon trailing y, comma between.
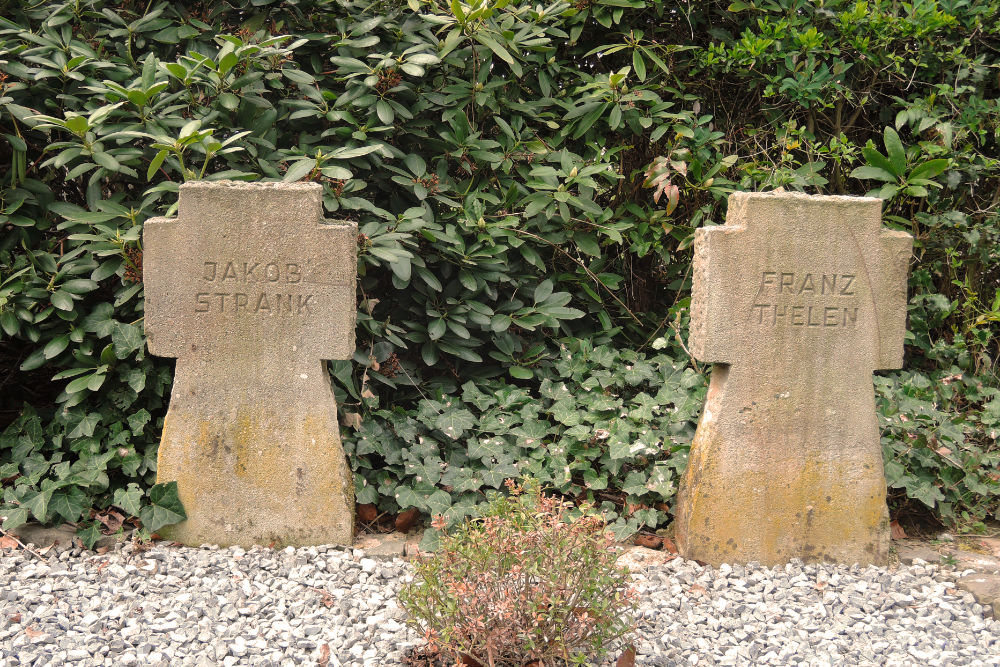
x: 258, y: 477
x: 756, y: 491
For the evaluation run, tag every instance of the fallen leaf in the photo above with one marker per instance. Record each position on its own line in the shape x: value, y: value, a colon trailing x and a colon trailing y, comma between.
x: 32, y: 633
x: 324, y: 655
x: 367, y: 512
x: 668, y: 545
x: 406, y: 519
x: 627, y: 659
x: 111, y: 519
x: 351, y: 419
x: 8, y: 542
x: 326, y: 599
x: 15, y: 618
x: 896, y: 531
x: 469, y: 661
x: 697, y: 589
x: 648, y: 541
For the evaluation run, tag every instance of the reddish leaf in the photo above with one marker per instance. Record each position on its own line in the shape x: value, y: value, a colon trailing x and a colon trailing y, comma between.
x: 405, y: 520
x: 326, y: 599
x: 469, y: 661
x: 896, y: 531
x: 31, y: 632
x: 111, y: 519
x: 627, y: 659
x: 367, y: 512
x: 8, y: 542
x: 324, y: 655
x: 668, y: 545
x: 648, y: 541
x: 15, y: 618
x: 673, y: 195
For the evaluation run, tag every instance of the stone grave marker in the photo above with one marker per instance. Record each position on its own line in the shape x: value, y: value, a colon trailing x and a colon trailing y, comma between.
x: 797, y: 299
x: 251, y: 289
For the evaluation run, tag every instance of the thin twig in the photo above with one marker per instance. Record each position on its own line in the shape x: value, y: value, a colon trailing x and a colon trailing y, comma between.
x: 21, y: 544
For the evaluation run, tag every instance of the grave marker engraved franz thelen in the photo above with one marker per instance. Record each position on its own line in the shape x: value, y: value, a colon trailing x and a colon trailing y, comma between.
x: 797, y: 299
x: 251, y: 289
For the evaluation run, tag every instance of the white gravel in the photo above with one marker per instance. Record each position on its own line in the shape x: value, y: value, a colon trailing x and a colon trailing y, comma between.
x: 182, y: 606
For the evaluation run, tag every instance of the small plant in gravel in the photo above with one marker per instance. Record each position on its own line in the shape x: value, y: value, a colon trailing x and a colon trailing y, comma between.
x: 533, y: 581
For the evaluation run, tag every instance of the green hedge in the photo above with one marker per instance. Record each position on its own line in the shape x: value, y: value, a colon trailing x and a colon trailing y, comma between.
x: 521, y: 174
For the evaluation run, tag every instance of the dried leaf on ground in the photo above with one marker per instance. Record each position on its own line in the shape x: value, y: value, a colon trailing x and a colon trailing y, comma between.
x: 648, y: 541
x: 324, y: 655
x: 627, y: 659
x: 406, y: 519
x: 111, y: 520
x: 326, y: 599
x: 896, y: 531
x: 367, y: 512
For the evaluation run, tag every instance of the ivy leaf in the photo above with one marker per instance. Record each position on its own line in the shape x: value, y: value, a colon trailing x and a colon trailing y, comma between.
x: 89, y: 534
x: 453, y: 423
x: 16, y: 516
x: 138, y: 420
x: 164, y: 507
x: 127, y: 338
x: 486, y: 449
x: 37, y: 502
x: 566, y: 412
x: 438, y: 502
x: 69, y: 503
x: 85, y: 427
x: 407, y: 497
x: 129, y: 499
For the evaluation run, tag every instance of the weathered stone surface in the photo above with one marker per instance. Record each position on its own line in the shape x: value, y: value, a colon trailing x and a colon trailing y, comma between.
x: 251, y: 290
x: 637, y: 559
x: 382, y: 546
x: 796, y: 300
x: 985, y: 588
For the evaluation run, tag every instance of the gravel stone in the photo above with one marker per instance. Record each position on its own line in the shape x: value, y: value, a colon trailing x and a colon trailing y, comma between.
x: 210, y: 606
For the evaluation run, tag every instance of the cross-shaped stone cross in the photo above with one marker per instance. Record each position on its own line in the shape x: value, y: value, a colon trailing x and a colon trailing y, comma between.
x: 797, y: 299
x: 251, y: 289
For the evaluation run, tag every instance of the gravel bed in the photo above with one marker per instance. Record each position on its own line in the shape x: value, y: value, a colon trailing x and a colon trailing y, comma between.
x: 183, y: 606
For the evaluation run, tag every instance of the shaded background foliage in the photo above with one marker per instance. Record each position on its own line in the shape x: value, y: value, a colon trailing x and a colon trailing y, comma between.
x: 526, y: 180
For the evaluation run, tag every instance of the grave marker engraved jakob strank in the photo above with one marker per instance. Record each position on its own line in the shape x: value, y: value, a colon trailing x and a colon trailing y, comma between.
x: 251, y: 289
x: 797, y: 299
